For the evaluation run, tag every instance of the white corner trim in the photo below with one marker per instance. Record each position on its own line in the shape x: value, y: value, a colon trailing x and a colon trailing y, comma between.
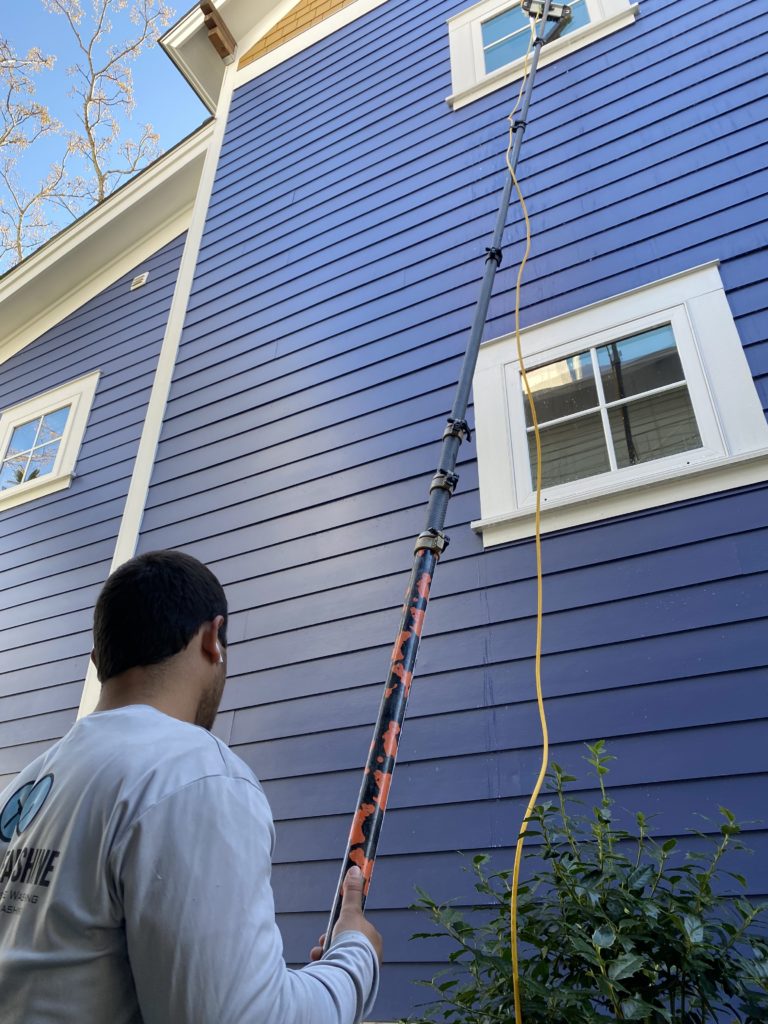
x: 102, y: 246
x: 470, y: 82
x: 79, y: 395
x: 730, y: 418
x: 306, y: 39
x: 695, y: 481
x: 130, y: 524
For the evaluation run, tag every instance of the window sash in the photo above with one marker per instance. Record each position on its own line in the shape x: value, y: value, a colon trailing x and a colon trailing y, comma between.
x: 712, y: 440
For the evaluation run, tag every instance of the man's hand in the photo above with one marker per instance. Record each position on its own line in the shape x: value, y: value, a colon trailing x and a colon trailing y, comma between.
x: 351, y: 918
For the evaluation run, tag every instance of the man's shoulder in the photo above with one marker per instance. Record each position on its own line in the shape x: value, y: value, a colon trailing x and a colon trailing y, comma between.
x: 147, y: 756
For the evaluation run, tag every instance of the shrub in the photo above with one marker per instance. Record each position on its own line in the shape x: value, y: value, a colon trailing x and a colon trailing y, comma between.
x: 613, y: 925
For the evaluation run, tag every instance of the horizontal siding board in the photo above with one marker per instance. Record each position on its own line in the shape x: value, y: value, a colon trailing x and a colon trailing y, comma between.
x: 41, y: 676
x: 608, y: 714
x: 62, y: 697
x: 440, y: 724
x: 675, y: 610
x: 495, y: 822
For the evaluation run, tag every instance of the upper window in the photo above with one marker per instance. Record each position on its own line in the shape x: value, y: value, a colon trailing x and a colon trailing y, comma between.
x: 640, y: 399
x: 40, y: 439
x: 489, y: 41
x: 506, y: 36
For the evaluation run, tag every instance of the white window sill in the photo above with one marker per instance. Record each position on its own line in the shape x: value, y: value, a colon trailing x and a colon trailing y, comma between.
x: 553, y: 51
x: 34, y: 489
x: 647, y: 491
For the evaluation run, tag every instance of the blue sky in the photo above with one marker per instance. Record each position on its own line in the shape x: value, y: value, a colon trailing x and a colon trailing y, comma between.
x: 163, y: 97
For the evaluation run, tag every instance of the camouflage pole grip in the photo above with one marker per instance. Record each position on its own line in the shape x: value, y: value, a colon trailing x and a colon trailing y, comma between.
x: 377, y: 776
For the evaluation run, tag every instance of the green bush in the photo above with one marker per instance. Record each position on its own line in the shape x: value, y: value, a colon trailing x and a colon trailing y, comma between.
x: 613, y: 925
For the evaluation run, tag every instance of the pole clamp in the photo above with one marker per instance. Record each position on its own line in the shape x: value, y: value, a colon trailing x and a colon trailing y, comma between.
x: 458, y: 428
x: 494, y: 254
x: 518, y: 122
x: 444, y: 481
x: 431, y: 540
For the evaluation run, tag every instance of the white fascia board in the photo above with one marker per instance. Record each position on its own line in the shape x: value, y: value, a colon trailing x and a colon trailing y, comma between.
x: 103, y: 245
x: 188, y: 46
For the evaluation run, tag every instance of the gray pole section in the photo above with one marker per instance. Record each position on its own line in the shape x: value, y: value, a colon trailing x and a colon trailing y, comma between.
x: 440, y: 496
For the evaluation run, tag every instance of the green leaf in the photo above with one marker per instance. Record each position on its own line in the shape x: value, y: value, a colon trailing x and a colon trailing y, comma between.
x: 604, y: 936
x: 625, y: 966
x: 694, y: 928
x: 635, y: 1009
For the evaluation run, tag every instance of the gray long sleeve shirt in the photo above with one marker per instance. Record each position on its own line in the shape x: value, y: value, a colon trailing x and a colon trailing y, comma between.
x: 135, y: 861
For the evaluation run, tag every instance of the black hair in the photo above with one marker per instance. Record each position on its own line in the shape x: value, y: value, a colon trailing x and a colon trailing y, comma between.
x: 151, y: 607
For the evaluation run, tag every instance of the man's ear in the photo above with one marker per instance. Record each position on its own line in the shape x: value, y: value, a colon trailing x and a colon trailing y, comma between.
x: 209, y: 639
x: 93, y: 659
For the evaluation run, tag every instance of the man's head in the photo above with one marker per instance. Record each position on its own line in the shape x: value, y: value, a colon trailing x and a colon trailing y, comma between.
x: 161, y: 622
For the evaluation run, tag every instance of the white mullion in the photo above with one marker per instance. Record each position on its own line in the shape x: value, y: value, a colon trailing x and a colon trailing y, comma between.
x: 32, y: 449
x: 603, y: 410
x: 518, y: 32
x: 647, y: 394
x: 543, y: 424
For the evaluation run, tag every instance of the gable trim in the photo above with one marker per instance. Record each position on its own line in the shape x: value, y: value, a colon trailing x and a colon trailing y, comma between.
x: 102, y: 246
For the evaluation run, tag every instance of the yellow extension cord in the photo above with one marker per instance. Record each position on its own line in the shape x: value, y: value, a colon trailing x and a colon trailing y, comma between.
x: 539, y: 573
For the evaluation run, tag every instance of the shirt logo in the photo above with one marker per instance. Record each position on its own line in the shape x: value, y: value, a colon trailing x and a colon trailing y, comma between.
x: 23, y: 806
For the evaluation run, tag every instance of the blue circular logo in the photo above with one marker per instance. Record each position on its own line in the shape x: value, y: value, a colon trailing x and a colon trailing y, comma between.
x: 23, y: 807
x: 9, y: 818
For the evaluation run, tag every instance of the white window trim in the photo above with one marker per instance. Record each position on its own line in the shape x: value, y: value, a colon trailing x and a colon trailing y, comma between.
x: 469, y: 80
x: 79, y: 395
x: 731, y: 421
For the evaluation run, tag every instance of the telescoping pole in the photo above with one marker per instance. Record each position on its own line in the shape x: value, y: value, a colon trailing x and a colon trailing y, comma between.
x: 377, y: 776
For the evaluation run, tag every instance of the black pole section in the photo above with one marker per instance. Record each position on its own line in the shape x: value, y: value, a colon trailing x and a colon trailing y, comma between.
x: 377, y: 777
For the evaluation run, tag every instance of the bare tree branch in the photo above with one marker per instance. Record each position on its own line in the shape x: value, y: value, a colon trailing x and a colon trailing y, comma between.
x: 22, y: 118
x: 102, y: 82
x: 25, y: 220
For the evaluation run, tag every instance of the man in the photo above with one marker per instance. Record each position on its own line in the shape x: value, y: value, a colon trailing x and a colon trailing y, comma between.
x: 135, y: 853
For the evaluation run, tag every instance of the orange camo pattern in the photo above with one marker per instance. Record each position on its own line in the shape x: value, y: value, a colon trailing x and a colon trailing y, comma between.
x: 367, y: 821
x: 357, y: 835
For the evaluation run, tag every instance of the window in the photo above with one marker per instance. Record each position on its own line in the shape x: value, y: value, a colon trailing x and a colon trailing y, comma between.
x: 505, y: 37
x: 40, y: 439
x: 642, y: 399
x: 613, y: 406
x: 489, y: 41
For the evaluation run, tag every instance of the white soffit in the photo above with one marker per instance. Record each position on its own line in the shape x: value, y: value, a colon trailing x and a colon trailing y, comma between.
x: 103, y: 245
x: 188, y: 46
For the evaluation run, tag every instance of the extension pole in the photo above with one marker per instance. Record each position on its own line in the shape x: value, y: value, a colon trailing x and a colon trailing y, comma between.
x: 377, y: 776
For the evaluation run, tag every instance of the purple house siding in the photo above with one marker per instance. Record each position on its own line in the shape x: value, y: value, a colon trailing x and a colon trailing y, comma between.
x: 334, y: 290
x: 55, y: 551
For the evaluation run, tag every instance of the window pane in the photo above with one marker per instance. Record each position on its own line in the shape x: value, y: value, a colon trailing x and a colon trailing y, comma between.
x: 641, y: 363
x: 510, y: 50
x: 561, y: 388
x: 53, y: 424
x: 570, y: 451
x: 11, y: 473
x: 23, y: 437
x: 501, y: 50
x: 651, y: 428
x: 42, y: 461
x: 505, y: 24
